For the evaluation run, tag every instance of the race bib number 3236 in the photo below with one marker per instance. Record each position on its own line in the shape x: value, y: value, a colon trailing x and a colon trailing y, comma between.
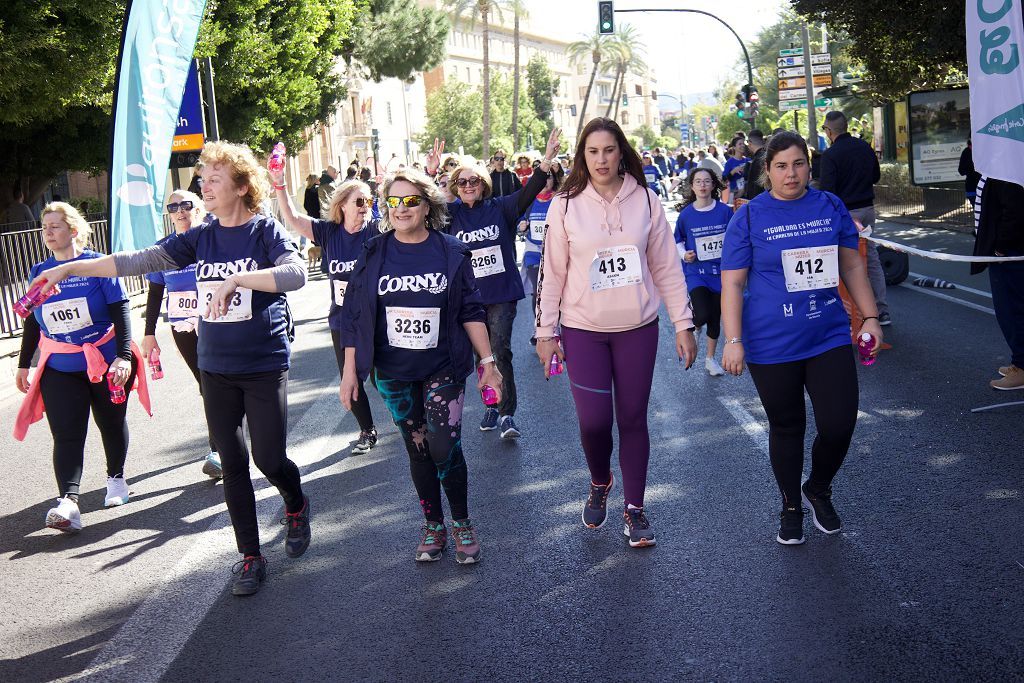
x: 413, y: 328
x: 811, y: 268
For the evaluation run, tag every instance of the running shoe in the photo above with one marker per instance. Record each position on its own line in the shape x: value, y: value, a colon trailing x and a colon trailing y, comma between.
x: 432, y: 542
x: 367, y: 440
x: 117, y: 492
x: 212, y: 467
x: 791, y: 527
x: 637, y: 528
x: 508, y: 428
x: 595, y: 512
x: 822, y: 512
x: 467, y: 547
x: 713, y: 367
x: 1005, y: 370
x: 884, y: 319
x: 251, y: 571
x: 297, y: 541
x: 1012, y: 380
x: 490, y: 420
x: 65, y: 516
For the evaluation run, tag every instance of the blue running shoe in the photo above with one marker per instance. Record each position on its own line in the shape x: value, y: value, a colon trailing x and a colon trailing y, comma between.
x: 490, y: 420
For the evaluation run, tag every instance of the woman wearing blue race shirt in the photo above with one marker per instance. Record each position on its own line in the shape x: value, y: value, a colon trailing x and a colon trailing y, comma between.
x: 532, y: 226
x: 244, y: 264
x: 789, y: 247
x: 652, y: 174
x: 700, y: 233
x: 341, y: 237
x: 735, y: 167
x: 186, y: 211
x: 88, y: 314
x: 414, y: 314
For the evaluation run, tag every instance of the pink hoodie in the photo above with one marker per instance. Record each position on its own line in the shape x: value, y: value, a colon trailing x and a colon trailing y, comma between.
x: 570, y: 289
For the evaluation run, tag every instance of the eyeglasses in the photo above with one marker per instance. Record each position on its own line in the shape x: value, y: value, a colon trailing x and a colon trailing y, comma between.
x: 499, y: 158
x: 411, y: 201
x: 174, y: 207
x: 360, y: 202
x: 470, y: 182
x: 452, y: 163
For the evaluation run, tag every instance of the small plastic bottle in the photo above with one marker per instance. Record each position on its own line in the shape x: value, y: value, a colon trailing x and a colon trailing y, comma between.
x: 276, y: 161
x: 865, y: 345
x: 33, y: 298
x: 156, y: 371
x: 488, y: 394
x: 117, y: 395
x: 556, y: 366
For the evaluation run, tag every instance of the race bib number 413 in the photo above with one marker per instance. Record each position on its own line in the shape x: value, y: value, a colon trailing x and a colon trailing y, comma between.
x: 811, y: 268
x: 615, y: 267
x: 413, y: 328
x: 239, y: 307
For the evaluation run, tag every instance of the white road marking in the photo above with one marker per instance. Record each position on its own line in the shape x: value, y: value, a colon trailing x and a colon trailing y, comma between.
x: 972, y: 290
x: 750, y: 424
x: 946, y: 297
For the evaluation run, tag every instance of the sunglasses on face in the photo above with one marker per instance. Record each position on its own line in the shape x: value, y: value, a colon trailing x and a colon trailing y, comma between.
x: 174, y: 207
x: 499, y: 158
x: 360, y: 202
x: 452, y: 164
x: 411, y: 201
x: 468, y: 182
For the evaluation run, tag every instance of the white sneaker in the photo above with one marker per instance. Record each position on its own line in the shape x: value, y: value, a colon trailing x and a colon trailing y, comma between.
x: 212, y: 467
x: 65, y: 517
x: 713, y: 367
x: 117, y: 492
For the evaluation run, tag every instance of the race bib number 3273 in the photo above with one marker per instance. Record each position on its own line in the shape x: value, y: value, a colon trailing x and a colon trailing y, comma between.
x: 811, y: 268
x: 239, y: 307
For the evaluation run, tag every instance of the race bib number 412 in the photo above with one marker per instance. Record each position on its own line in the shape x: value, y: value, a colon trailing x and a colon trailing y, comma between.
x: 615, y: 267
x: 811, y: 268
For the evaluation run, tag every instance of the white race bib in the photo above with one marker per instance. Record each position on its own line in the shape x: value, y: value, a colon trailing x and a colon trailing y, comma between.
x: 487, y: 261
x: 339, y: 287
x: 413, y: 328
x: 67, y: 316
x: 182, y: 305
x: 709, y: 248
x: 811, y: 268
x: 537, y: 230
x: 239, y: 308
x: 650, y: 177
x: 615, y: 267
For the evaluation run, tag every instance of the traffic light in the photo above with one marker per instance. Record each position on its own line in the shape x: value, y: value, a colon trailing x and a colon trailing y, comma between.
x: 625, y: 100
x: 741, y: 105
x: 572, y: 110
x: 606, y: 18
x: 375, y: 140
x: 753, y: 103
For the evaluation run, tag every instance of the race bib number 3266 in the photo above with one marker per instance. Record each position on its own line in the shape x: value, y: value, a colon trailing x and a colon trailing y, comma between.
x: 811, y: 268
x: 487, y: 261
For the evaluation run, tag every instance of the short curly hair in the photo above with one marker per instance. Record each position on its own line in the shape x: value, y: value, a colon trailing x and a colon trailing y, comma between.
x: 245, y: 170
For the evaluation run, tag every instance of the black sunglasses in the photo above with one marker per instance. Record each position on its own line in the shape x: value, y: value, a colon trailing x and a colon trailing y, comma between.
x: 174, y: 207
x: 471, y: 182
x: 499, y: 158
x: 360, y: 202
x: 412, y: 200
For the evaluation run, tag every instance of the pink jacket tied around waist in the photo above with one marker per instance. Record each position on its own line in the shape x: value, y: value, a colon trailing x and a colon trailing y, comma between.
x: 32, y: 407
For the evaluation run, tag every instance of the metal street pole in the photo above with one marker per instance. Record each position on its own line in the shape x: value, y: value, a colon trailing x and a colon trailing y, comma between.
x: 211, y: 100
x: 812, y: 124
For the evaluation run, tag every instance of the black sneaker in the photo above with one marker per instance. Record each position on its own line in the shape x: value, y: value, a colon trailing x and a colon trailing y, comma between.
x: 637, y: 528
x: 251, y: 571
x: 367, y: 440
x: 489, y: 421
x: 508, y: 428
x: 884, y: 319
x: 595, y: 512
x: 822, y: 511
x: 297, y: 541
x: 791, y: 529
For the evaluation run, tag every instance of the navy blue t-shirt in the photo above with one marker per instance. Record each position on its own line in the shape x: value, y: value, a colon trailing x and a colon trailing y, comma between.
x: 792, y: 309
x: 78, y: 314
x: 341, y: 251
x: 411, y: 338
x: 703, y: 232
x: 253, y: 336
x: 488, y: 228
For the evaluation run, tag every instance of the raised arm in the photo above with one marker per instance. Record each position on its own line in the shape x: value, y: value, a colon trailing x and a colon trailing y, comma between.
x: 299, y: 222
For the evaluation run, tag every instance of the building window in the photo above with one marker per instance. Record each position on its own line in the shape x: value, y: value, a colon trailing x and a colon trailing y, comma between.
x: 639, y: 90
x: 390, y: 120
x: 469, y: 78
x: 625, y: 118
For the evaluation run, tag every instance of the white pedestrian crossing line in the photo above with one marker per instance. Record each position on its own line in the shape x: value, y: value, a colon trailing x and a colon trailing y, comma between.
x: 750, y: 424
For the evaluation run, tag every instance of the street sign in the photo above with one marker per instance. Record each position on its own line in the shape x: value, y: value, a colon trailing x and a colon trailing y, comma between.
x: 798, y: 60
x: 792, y: 105
x: 801, y: 82
x: 794, y: 71
x: 189, y: 136
x: 791, y: 52
x: 684, y: 131
x: 797, y: 93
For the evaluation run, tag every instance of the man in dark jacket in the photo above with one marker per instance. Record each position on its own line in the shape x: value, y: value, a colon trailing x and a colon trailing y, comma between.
x: 752, y: 178
x: 503, y: 181
x: 966, y: 169
x: 849, y: 170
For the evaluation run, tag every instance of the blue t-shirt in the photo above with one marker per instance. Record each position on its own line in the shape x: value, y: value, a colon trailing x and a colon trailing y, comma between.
x: 253, y: 337
x: 78, y: 314
x: 181, y: 281
x: 341, y: 251
x: 411, y: 337
x: 488, y: 228
x: 652, y: 175
x: 537, y: 218
x: 734, y: 180
x: 785, y: 246
x: 708, y: 228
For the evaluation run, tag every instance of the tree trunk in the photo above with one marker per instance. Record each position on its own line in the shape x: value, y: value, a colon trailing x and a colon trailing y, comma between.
x: 620, y: 88
x: 484, y: 12
x: 614, y: 98
x: 515, y: 82
x: 586, y: 98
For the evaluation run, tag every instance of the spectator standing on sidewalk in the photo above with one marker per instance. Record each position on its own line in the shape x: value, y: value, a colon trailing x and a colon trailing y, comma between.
x: 326, y: 189
x: 18, y: 212
x: 849, y: 170
x: 503, y: 181
x: 966, y: 169
x: 311, y: 198
x: 756, y: 151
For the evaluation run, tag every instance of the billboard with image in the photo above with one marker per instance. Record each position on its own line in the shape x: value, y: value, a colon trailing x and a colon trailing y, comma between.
x: 940, y: 123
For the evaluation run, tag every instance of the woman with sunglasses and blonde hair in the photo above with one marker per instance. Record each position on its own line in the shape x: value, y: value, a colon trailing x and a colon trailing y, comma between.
x: 186, y: 211
x: 341, y: 237
x: 488, y: 225
x: 414, y: 315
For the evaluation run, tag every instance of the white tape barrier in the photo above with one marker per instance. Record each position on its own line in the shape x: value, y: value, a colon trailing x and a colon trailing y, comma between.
x: 960, y: 258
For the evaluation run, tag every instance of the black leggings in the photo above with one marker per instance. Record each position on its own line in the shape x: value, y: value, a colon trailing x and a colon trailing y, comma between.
x: 429, y: 415
x: 261, y: 397
x: 187, y: 343
x: 831, y: 382
x: 707, y: 310
x: 68, y: 397
x: 361, y: 406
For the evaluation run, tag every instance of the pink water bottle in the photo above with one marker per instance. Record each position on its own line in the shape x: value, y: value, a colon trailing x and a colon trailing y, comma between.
x: 156, y: 371
x: 117, y: 395
x: 866, y: 344
x: 33, y: 297
x: 488, y: 394
x: 555, y: 367
x: 276, y: 161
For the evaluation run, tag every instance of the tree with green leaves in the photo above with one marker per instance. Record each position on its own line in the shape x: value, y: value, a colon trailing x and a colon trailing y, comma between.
x: 541, y: 86
x: 598, y: 49
x: 396, y: 39
x: 628, y: 57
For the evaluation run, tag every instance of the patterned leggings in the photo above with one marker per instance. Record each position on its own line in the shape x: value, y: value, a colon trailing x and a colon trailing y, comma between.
x: 429, y: 415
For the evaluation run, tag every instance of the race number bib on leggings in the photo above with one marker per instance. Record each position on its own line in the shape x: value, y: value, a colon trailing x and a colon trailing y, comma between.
x: 709, y: 248
x: 615, y: 267
x: 488, y: 261
x: 67, y: 316
x: 182, y: 305
x: 239, y: 307
x: 339, y: 292
x: 811, y: 268
x: 413, y: 328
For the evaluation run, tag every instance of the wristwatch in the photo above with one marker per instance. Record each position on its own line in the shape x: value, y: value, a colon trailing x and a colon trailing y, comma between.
x: 488, y: 359
x: 735, y: 340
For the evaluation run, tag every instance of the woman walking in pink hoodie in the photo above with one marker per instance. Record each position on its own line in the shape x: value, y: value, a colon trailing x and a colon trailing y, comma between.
x: 609, y: 259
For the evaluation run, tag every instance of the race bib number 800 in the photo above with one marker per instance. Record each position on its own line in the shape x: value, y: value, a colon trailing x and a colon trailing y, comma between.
x: 615, y: 267
x: 184, y: 304
x: 811, y: 268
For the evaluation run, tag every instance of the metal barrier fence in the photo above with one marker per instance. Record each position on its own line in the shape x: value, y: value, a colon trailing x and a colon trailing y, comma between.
x: 939, y: 206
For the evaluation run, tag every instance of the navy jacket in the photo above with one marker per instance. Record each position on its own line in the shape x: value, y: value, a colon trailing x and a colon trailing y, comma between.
x: 849, y: 169
x: 359, y: 315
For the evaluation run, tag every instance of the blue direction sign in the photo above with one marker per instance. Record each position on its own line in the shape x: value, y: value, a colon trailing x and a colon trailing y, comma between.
x: 190, y: 134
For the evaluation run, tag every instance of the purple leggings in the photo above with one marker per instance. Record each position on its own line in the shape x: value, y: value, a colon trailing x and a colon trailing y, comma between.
x: 597, y: 361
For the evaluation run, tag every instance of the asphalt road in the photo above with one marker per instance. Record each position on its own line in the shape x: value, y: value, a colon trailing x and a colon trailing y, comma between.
x: 923, y: 583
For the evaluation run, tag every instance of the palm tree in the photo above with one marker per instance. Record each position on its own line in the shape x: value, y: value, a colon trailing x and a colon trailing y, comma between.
x: 629, y: 58
x: 598, y: 48
x: 518, y: 8
x: 482, y: 9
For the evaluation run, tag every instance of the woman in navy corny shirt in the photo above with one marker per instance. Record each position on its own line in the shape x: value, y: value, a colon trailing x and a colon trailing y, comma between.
x: 341, y: 237
x: 244, y: 263
x: 413, y: 313
x: 789, y: 247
